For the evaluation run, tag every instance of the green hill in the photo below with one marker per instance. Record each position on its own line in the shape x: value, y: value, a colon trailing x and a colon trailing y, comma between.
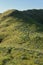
x: 21, y: 37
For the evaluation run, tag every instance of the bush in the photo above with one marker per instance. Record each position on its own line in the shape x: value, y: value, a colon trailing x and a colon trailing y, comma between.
x: 1, y: 38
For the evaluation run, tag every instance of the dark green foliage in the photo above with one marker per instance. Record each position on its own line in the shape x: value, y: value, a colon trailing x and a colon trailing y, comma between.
x: 9, y: 50
x: 5, y: 61
x: 1, y: 38
x: 36, y: 15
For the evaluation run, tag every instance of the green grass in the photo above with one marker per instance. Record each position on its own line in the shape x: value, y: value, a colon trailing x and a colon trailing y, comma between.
x: 21, y: 38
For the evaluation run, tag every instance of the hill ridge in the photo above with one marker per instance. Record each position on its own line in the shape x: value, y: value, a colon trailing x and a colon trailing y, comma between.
x: 21, y: 37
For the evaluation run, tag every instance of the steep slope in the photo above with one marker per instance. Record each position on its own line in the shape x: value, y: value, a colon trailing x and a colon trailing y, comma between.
x: 21, y: 37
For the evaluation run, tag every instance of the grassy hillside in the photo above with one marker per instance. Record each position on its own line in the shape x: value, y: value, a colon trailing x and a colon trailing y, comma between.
x: 21, y: 37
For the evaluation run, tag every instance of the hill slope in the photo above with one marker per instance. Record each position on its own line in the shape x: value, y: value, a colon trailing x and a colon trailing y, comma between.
x: 21, y: 37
